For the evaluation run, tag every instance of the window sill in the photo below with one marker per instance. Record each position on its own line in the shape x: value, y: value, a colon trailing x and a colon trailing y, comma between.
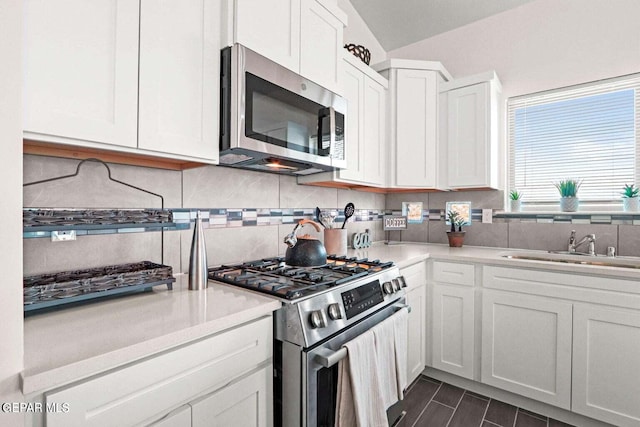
x: 616, y: 217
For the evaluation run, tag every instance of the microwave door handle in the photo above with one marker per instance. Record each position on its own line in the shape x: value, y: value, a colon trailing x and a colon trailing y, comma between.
x: 330, y: 113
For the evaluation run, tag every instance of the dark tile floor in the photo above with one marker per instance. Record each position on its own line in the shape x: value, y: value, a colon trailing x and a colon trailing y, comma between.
x: 431, y: 403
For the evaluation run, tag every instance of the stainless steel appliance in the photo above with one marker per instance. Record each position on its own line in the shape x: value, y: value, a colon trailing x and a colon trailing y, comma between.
x: 323, y: 308
x: 274, y: 120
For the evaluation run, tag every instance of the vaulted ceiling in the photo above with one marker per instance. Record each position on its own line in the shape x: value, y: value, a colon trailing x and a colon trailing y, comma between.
x: 397, y: 23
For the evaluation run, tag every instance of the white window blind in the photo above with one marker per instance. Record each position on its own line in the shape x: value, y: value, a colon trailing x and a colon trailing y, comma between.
x: 588, y: 132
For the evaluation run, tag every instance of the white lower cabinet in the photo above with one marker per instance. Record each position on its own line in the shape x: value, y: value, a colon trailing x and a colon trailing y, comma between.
x: 606, y: 364
x: 245, y: 403
x: 181, y: 417
x: 453, y: 329
x: 149, y: 391
x: 526, y: 346
x: 416, y: 278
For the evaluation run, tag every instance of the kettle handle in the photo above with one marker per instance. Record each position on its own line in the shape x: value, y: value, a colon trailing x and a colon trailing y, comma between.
x: 308, y: 221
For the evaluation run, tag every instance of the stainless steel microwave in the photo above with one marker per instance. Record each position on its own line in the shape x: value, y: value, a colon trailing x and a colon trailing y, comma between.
x: 274, y: 120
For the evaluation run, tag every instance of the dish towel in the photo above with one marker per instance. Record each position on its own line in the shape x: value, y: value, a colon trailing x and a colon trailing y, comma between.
x: 359, y: 401
x: 400, y: 327
x: 384, y: 333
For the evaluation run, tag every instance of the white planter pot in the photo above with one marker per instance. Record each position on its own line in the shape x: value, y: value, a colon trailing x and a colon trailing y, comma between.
x: 515, y: 205
x: 631, y: 204
x: 569, y: 204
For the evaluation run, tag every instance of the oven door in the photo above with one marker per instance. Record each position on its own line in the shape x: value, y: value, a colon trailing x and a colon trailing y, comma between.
x: 320, y: 371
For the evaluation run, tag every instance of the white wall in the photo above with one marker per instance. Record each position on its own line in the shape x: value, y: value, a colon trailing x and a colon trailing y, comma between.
x: 11, y: 190
x: 357, y: 32
x: 542, y: 45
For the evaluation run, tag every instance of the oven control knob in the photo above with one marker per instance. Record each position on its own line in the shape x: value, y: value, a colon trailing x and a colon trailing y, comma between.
x: 334, y: 311
x: 388, y: 288
x: 402, y: 281
x: 396, y: 285
x: 317, y: 319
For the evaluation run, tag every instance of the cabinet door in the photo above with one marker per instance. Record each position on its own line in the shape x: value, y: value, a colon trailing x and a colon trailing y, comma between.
x: 81, y: 70
x: 416, y: 279
x: 353, y: 87
x: 468, y: 138
x: 416, y: 337
x: 270, y: 28
x: 416, y: 128
x: 181, y: 417
x: 526, y: 346
x: 453, y: 329
x: 245, y: 403
x: 374, y: 142
x: 321, y: 36
x: 179, y: 77
x: 606, y: 364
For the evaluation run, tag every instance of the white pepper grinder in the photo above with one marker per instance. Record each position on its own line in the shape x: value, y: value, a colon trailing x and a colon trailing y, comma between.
x: 198, y: 258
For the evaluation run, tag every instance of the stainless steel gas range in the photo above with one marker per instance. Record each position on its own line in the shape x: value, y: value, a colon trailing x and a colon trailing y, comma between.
x: 323, y: 308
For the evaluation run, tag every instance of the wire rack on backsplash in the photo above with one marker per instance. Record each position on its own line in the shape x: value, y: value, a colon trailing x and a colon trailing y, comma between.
x: 45, y: 291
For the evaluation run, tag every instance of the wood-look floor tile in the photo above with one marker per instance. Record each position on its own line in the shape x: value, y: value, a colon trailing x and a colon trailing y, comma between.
x: 478, y: 395
x: 556, y: 423
x: 533, y: 414
x: 469, y: 412
x: 435, y: 415
x: 448, y: 395
x: 501, y: 413
x: 416, y: 400
x: 525, y: 420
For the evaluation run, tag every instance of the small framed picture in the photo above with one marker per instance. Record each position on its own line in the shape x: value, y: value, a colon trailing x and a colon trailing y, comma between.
x: 413, y: 212
x: 463, y: 209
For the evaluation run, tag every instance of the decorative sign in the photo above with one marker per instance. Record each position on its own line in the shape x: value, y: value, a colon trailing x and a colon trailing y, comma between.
x: 463, y: 209
x: 361, y: 240
x: 394, y: 222
x: 413, y: 212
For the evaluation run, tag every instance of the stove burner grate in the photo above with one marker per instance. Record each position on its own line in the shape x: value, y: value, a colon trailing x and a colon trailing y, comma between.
x: 274, y: 277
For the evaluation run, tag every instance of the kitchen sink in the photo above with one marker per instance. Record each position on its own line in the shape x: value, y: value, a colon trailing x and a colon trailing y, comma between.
x: 575, y: 258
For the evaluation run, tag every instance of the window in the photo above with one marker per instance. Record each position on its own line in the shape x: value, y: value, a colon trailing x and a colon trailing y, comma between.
x: 588, y: 132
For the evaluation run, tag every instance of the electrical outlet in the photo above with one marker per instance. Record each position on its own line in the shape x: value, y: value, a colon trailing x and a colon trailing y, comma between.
x: 487, y: 216
x: 63, y: 236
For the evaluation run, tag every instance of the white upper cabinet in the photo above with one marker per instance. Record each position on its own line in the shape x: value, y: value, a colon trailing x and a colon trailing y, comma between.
x: 179, y: 77
x: 472, y: 132
x: 81, y: 70
x: 365, y: 132
x: 87, y: 83
x: 321, y: 35
x: 270, y: 28
x: 304, y: 36
x: 413, y: 122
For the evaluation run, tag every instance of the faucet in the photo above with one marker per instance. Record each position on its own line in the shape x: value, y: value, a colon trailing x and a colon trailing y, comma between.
x: 590, y: 238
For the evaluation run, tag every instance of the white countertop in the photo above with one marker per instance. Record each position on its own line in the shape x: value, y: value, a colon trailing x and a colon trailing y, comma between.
x: 74, y: 343
x: 71, y: 344
x: 405, y: 254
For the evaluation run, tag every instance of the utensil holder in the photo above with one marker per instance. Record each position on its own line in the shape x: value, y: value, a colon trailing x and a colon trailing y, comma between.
x: 335, y: 241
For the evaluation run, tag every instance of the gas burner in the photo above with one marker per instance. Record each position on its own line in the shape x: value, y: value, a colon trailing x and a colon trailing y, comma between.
x: 273, y: 276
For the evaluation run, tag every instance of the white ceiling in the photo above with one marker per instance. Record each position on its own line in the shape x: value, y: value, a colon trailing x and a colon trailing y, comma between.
x: 397, y: 23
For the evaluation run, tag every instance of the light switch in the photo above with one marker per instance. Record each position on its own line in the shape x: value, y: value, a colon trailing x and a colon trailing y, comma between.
x: 487, y: 216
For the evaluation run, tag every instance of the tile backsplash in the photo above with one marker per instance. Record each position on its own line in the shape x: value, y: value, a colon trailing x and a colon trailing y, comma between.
x: 245, y: 198
x: 223, y: 191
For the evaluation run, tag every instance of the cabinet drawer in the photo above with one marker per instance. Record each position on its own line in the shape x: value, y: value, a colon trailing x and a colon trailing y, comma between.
x: 415, y: 275
x: 453, y: 272
x: 139, y: 391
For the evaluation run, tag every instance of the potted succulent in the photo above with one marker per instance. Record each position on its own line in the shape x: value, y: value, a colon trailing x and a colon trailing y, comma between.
x: 515, y: 200
x: 630, y: 200
x: 568, y: 189
x: 456, y: 238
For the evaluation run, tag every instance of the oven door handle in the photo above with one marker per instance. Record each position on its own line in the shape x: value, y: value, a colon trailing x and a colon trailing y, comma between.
x: 327, y: 358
